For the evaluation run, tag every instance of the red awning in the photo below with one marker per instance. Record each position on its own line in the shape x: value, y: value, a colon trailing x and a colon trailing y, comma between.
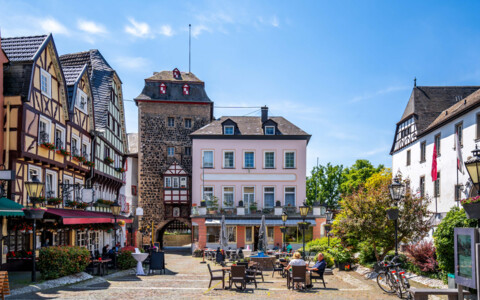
x: 71, y: 216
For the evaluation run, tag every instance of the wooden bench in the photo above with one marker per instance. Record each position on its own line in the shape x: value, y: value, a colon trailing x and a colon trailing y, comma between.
x: 5, y: 288
x: 422, y: 294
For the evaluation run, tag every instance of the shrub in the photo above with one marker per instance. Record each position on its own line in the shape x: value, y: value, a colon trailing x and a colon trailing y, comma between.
x: 125, y: 259
x: 328, y: 259
x: 367, y: 255
x: 321, y: 245
x: 443, y: 238
x: 59, y: 261
x: 341, y: 255
x: 423, y: 256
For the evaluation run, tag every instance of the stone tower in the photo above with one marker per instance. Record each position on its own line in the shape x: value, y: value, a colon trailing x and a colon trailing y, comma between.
x: 172, y: 105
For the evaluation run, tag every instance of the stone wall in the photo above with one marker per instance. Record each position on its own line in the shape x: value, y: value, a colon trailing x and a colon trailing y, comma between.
x: 154, y: 138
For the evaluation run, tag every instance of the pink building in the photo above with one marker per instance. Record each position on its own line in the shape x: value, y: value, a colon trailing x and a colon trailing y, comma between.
x: 246, y: 167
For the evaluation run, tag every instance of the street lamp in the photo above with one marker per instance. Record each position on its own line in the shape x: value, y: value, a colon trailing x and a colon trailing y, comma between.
x: 473, y: 168
x: 34, y: 190
x: 397, y: 191
x: 328, y: 227
x: 284, y: 229
x: 115, y: 207
x: 303, y: 213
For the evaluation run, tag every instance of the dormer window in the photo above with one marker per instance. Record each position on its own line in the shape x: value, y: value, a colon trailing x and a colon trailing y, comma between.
x: 186, y: 89
x: 269, y: 130
x: 228, y: 130
x: 163, y: 88
x: 176, y: 73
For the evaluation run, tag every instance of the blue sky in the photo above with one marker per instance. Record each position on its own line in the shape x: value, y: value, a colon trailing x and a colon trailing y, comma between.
x: 341, y: 70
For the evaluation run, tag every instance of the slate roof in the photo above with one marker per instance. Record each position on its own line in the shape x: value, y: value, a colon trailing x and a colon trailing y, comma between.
x: 71, y: 73
x: 22, y: 48
x: 168, y: 76
x: 427, y: 102
x: 101, y: 76
x: 251, y: 126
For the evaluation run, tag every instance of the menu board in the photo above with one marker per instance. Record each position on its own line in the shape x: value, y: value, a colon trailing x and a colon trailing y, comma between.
x: 464, y: 255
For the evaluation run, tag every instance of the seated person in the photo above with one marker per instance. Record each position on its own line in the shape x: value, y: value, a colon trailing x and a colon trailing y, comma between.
x: 277, y: 247
x: 289, y: 248
x: 318, y: 268
x: 105, y: 249
x: 298, y: 261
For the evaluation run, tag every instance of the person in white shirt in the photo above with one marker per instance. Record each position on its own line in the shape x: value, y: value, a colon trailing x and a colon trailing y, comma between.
x: 298, y: 261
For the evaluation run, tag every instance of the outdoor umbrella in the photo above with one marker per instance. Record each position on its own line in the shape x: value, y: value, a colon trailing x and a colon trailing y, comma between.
x: 223, y: 233
x: 262, y: 236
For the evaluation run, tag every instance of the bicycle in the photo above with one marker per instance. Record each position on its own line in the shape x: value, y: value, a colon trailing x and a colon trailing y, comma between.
x: 391, y: 279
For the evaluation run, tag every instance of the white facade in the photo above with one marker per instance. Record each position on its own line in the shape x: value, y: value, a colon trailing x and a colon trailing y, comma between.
x: 446, y: 162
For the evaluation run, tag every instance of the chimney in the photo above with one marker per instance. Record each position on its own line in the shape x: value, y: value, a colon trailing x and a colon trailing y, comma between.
x: 264, y: 113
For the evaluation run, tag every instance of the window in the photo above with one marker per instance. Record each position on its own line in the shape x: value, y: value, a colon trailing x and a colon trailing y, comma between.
x: 437, y: 143
x: 423, y: 151
x: 81, y: 101
x: 248, y: 197
x: 207, y: 193
x: 269, y: 160
x: 228, y: 196
x: 422, y: 186
x: 213, y: 234
x: 188, y: 123
x: 50, y: 184
x: 289, y: 160
x: 34, y: 171
x: 270, y: 235
x: 459, y: 132
x: 175, y: 183
x: 248, y: 235
x: 186, y: 89
x: 228, y: 159
x: 94, y: 241
x: 183, y: 182
x: 86, y: 150
x: 81, y: 238
x: 232, y: 234
x: 163, y: 88
x: 408, y: 157
x: 75, y: 144
x: 290, y: 196
x: 228, y: 130
x: 208, y: 159
x: 168, y: 182
x: 268, y: 197
x: 59, y: 138
x: 188, y: 151
x: 44, y: 130
x: 458, y: 192
x: 171, y: 122
x: 171, y: 151
x: 436, y: 186
x: 67, y: 190
x: 249, y: 159
x: 269, y: 130
x: 46, y: 83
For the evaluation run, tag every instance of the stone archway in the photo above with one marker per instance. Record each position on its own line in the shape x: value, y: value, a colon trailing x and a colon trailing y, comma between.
x: 180, y: 225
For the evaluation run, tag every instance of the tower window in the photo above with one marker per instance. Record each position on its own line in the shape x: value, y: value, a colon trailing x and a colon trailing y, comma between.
x: 186, y: 89
x: 188, y: 123
x: 176, y: 73
x: 163, y: 88
x: 171, y: 122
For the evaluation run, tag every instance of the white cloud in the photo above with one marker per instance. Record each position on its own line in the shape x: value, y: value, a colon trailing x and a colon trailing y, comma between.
x: 198, y: 29
x: 166, y: 30
x: 91, y: 27
x: 138, y: 29
x: 131, y: 63
x: 387, y: 90
x: 52, y: 25
x: 275, y: 22
x: 372, y: 152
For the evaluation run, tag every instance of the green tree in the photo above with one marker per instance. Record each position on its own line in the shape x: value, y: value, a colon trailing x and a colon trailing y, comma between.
x: 443, y: 238
x: 357, y: 175
x: 363, y: 217
x: 325, y: 182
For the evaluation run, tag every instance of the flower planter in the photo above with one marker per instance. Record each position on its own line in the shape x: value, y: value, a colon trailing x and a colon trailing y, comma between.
x: 344, y: 266
x: 212, y: 212
x: 472, y: 210
x: 303, y: 226
x: 392, y: 213
x: 33, y: 213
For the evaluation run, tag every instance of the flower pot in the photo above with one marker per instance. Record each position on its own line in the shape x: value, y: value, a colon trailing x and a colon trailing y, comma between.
x: 33, y: 213
x: 303, y: 226
x: 344, y: 266
x: 392, y: 214
x: 472, y: 210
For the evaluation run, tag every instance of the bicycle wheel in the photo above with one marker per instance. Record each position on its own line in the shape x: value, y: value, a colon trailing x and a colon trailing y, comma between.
x: 397, y: 279
x: 384, y: 282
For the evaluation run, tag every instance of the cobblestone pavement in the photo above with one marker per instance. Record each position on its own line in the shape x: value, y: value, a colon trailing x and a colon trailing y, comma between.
x: 187, y: 278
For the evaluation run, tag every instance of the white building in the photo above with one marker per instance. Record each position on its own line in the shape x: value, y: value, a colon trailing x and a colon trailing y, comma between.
x: 433, y: 115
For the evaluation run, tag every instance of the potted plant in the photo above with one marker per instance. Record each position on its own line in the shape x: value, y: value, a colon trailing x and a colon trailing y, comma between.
x: 108, y: 160
x: 343, y: 258
x: 120, y: 170
x: 89, y: 163
x: 203, y: 203
x: 472, y: 207
x: 253, y: 207
x: 213, y: 205
x: 48, y: 145
x: 63, y: 152
x: 392, y: 213
x: 54, y: 201
x: 79, y: 158
x: 303, y: 225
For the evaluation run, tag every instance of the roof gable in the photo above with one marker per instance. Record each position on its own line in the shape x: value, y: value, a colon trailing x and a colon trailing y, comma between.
x: 23, y: 48
x: 175, y: 169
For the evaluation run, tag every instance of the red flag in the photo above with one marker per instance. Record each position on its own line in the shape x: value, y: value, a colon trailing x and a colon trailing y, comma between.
x: 434, y: 163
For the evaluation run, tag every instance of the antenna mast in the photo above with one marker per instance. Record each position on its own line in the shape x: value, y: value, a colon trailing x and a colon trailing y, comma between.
x: 189, y: 47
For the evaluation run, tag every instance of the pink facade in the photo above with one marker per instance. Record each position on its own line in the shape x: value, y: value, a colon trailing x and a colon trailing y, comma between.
x: 258, y: 177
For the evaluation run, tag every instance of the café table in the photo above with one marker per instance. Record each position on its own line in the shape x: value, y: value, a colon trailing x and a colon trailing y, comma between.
x: 101, y: 265
x: 140, y: 257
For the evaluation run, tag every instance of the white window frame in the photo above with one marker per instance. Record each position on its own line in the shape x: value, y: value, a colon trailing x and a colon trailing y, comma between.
x: 265, y: 160
x: 54, y: 182
x: 168, y: 182
x: 168, y: 121
x: 64, y: 142
x: 269, y: 127
x: 224, y: 193
x: 70, y: 181
x: 264, y: 192
x: 78, y: 100
x: 48, y: 79
x: 168, y: 151
x: 224, y: 160
x: 183, y: 182
x: 48, y: 128
x: 85, y: 143
x: 38, y: 170
x: 228, y: 127
x: 203, y: 192
x: 245, y: 203
x: 79, y: 143
x: 185, y: 122
x: 175, y: 182
x: 244, y: 160
x: 294, y: 159
x: 203, y: 159
x: 294, y: 194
